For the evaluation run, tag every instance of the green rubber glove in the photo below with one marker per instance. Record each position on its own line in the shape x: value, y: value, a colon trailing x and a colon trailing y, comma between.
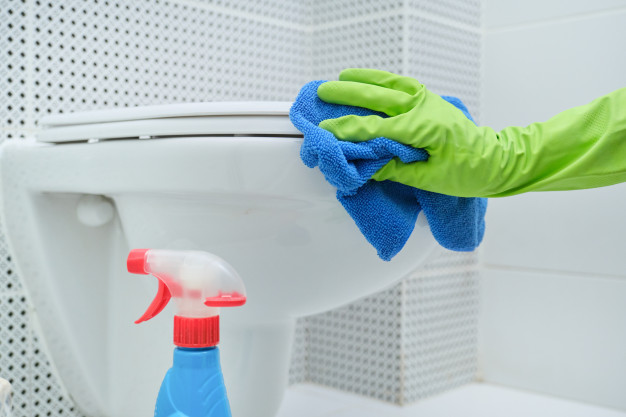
x: 584, y: 147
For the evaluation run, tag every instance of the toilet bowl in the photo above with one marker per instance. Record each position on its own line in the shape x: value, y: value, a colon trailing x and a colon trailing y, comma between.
x: 219, y: 177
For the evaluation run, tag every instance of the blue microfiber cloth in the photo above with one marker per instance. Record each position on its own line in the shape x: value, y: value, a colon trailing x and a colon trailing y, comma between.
x: 384, y: 211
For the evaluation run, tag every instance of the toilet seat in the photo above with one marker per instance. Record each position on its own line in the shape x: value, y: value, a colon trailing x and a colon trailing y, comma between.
x: 211, y: 118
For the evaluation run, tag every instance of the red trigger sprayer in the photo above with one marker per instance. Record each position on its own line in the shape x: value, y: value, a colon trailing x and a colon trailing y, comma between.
x: 200, y: 283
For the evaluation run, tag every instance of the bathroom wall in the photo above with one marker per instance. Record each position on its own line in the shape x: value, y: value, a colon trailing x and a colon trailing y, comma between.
x: 554, y: 284
x: 71, y: 55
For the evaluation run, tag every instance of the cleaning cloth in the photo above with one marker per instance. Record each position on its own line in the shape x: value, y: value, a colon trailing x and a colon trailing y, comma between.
x: 384, y: 211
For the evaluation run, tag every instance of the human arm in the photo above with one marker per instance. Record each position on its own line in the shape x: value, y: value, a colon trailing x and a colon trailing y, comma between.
x: 583, y: 147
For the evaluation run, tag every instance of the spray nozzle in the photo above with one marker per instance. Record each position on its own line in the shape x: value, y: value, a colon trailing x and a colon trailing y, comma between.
x: 199, y: 282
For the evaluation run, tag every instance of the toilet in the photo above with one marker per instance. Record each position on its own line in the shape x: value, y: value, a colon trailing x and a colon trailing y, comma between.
x: 225, y: 178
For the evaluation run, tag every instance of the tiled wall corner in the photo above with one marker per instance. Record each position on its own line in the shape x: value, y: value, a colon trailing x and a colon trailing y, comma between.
x: 357, y: 348
x: 414, y: 340
x: 440, y: 44
x: 299, y: 367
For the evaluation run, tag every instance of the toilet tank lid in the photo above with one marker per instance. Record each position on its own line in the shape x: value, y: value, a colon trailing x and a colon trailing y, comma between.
x: 260, y: 117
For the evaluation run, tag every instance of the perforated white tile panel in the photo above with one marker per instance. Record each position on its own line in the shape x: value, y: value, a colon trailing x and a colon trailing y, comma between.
x: 13, y: 62
x: 47, y: 398
x: 15, y: 343
x: 9, y: 280
x: 446, y: 59
x: 298, y: 370
x: 293, y: 11
x: 13, y: 134
x: 332, y: 11
x: 357, y: 348
x: 463, y: 11
x: 440, y: 329
x: 94, y: 54
x: 371, y: 43
x: 36, y: 392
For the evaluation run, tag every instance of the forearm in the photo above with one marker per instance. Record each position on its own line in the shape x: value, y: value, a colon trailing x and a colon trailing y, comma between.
x: 583, y: 147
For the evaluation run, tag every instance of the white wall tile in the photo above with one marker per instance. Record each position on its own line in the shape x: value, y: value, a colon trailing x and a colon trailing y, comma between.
x: 579, y: 231
x: 498, y: 13
x: 530, y: 75
x: 559, y: 334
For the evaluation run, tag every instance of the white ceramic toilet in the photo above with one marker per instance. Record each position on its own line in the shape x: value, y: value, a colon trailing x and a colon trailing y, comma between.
x: 219, y: 177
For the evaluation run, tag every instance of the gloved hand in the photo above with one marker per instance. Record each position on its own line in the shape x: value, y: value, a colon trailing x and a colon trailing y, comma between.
x: 584, y: 147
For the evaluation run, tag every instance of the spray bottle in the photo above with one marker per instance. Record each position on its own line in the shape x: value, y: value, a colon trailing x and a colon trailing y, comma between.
x: 200, y: 283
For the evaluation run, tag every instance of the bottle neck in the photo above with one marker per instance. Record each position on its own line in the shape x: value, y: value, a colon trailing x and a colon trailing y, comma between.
x: 196, y: 359
x: 196, y: 332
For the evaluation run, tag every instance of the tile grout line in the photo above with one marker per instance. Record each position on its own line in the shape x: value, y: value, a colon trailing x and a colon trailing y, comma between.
x: 434, y: 18
x: 562, y: 273
x: 444, y: 271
